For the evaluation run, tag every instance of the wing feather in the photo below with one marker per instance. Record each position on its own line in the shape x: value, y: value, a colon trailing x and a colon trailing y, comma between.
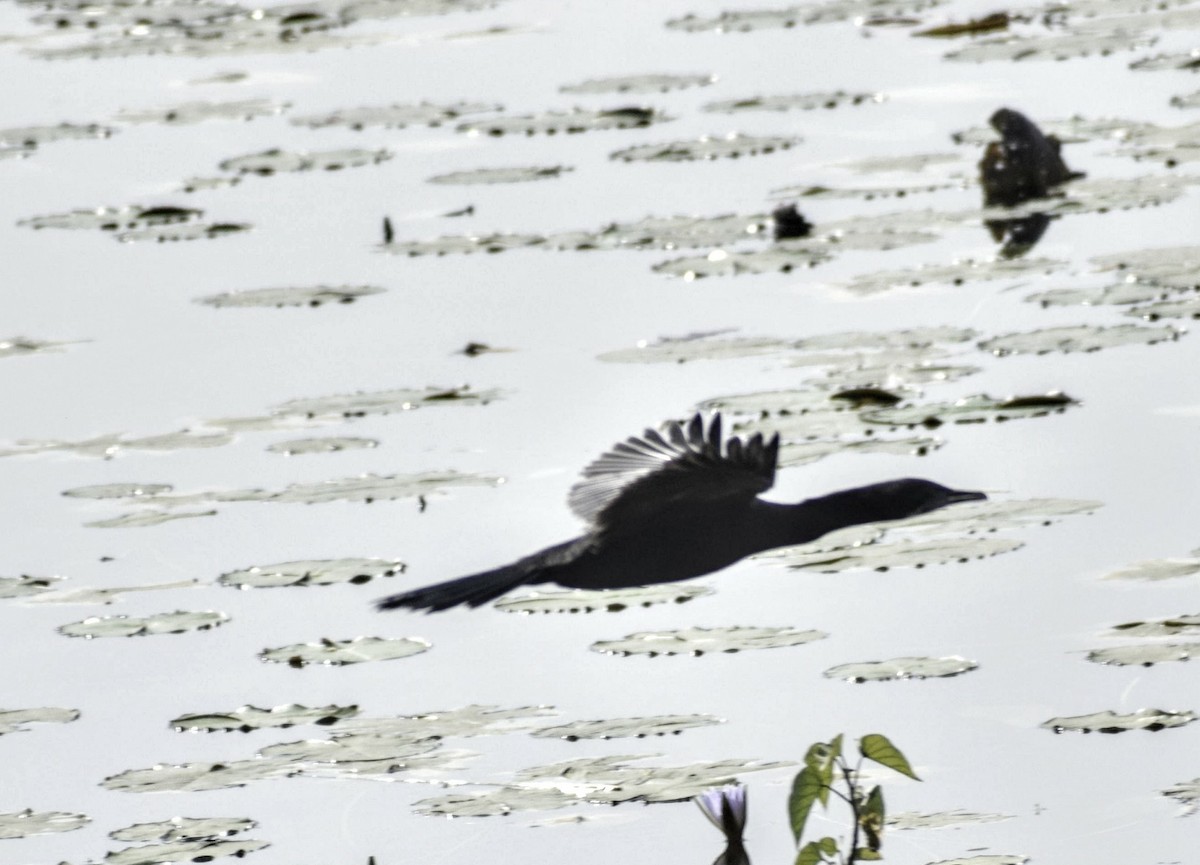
x: 686, y: 465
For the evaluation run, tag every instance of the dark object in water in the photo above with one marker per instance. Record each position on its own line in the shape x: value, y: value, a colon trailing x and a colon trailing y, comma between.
x: 388, y: 233
x: 790, y: 222
x: 669, y: 506
x: 1024, y: 165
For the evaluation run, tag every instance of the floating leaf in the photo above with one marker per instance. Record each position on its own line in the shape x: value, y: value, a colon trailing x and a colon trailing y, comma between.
x: 116, y: 218
x: 144, y: 519
x: 274, y: 161
x: 312, y: 572
x: 901, y: 668
x: 972, y: 409
x: 1157, y: 569
x: 22, y: 824
x: 638, y: 84
x: 787, y: 17
x: 896, y: 554
x: 1187, y: 793
x: 994, y: 859
x: 321, y: 445
x: 370, y: 488
x: 707, y: 147
x: 697, y: 347
x: 791, y: 101
x: 140, y: 626
x: 295, y: 296
x: 341, y: 652
x: 379, y: 402
x: 474, y: 720
x: 106, y: 595
x: 196, y: 112
x: 462, y: 245
x: 781, y: 258
x: 32, y: 137
x: 204, y: 850
x: 1111, y: 295
x: 195, y: 777
x: 1110, y: 722
x: 396, y: 116
x: 1073, y: 338
x: 249, y: 718
x: 574, y: 121
x: 609, y: 600
x: 183, y: 829
x: 14, y: 720
x: 1053, y: 46
x: 879, y: 749
x: 1163, y: 628
x: 625, y: 728
x: 666, y: 232
x: 501, y: 175
x: 942, y: 819
x: 24, y: 586
x: 700, y: 641
x: 952, y: 274
x: 1145, y: 654
x: 117, y: 491
x: 18, y: 346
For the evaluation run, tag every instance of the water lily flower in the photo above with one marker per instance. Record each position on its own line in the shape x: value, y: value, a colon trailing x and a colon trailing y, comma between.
x: 725, y: 808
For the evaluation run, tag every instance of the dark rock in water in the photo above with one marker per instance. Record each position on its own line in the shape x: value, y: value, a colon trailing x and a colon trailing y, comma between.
x: 1024, y: 164
x: 790, y: 223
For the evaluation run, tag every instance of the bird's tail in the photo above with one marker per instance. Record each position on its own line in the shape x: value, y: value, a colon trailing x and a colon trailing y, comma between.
x: 473, y: 590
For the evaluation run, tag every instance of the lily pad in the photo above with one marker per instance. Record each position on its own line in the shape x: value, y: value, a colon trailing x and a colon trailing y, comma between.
x: 321, y: 445
x: 292, y: 296
x: 117, y: 491
x: 501, y: 175
x: 1171, y: 267
x: 337, y: 653
x: 1112, y: 295
x: 972, y: 409
x: 697, y: 347
x: 204, y: 850
x: 396, y: 116
x: 14, y: 720
x: 19, y: 346
x: 92, y: 595
x: 792, y: 101
x: 1075, y: 338
x: 141, y: 626
x: 1145, y: 654
x: 985, y: 859
x: 312, y: 572
x: 24, y: 586
x: 610, y: 600
x: 667, y: 232
x: 368, y: 488
x: 379, y: 402
x: 197, y: 112
x: 567, y: 122
x: 196, y: 777
x: 1189, y: 624
x: 787, y: 17
x: 626, y: 728
x: 22, y: 824
x: 249, y: 718
x: 895, y: 554
x: 32, y: 137
x: 1157, y: 569
x: 116, y: 218
x: 146, y: 519
x: 700, y: 641
x: 176, y: 233
x: 901, y: 668
x: 357, y: 755
x: 942, y: 819
x: 183, y: 829
x: 952, y: 274
x: 1110, y: 722
x: 780, y: 258
x: 274, y: 161
x: 707, y: 147
x: 473, y: 720
x: 462, y: 244
x: 652, y: 83
x: 1053, y: 46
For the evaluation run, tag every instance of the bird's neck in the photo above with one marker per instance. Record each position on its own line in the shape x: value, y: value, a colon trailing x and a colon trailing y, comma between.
x: 789, y: 525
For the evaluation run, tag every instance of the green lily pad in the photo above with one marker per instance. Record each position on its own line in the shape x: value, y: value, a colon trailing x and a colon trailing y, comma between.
x: 567, y: 122
x: 25, y: 586
x: 312, y: 572
x: 321, y: 445
x: 396, y: 116
x: 381, y: 402
x: 462, y: 244
x: 901, y: 668
x: 32, y: 137
x: 117, y: 491
x: 196, y: 777
x: 609, y: 600
x: 1053, y: 46
x: 666, y: 232
x: 275, y: 161
x: 22, y: 824
x: 501, y: 175
x: 466, y: 721
x: 894, y: 554
x: 780, y: 258
x: 943, y: 819
x: 1110, y: 722
x: 1170, y: 267
x: 146, y: 519
x: 370, y: 488
x: 336, y: 653
x: 141, y: 626
x: 701, y: 641
x: 115, y: 218
x: 1189, y: 624
x: 985, y: 859
x: 787, y: 17
x: 697, y: 347
x: 197, y: 112
x: 972, y: 409
x: 626, y: 728
x: 1145, y: 654
x: 107, y: 595
x: 357, y: 755
x: 950, y: 274
x: 292, y: 296
x: 792, y: 101
x: 730, y: 146
x: 183, y: 829
x: 14, y: 720
x: 1111, y: 295
x: 19, y: 346
x: 1153, y: 570
x: 249, y: 718
x: 1075, y: 338
x: 205, y: 850
x: 652, y: 83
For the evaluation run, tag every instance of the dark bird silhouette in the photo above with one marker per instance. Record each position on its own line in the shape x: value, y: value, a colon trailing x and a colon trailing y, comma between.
x: 668, y: 506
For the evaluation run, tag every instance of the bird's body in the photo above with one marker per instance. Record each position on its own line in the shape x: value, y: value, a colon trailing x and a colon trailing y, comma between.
x: 663, y: 508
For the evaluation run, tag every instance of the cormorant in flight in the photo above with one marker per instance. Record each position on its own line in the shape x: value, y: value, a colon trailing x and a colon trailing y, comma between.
x: 668, y: 506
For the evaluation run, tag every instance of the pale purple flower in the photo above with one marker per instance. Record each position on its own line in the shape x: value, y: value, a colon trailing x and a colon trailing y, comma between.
x: 725, y: 808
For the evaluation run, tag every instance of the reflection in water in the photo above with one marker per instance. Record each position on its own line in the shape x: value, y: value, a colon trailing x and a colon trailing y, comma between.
x: 725, y: 808
x: 1024, y: 165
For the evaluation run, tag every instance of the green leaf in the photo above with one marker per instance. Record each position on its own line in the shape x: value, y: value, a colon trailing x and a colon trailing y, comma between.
x: 871, y: 818
x: 810, y: 854
x: 879, y: 748
x: 865, y: 855
x: 806, y: 789
x: 828, y: 846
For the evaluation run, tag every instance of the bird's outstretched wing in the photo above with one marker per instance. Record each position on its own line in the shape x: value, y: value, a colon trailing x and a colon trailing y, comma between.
x: 683, y: 466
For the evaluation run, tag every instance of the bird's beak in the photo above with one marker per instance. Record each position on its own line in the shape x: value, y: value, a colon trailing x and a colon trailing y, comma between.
x: 966, y: 496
